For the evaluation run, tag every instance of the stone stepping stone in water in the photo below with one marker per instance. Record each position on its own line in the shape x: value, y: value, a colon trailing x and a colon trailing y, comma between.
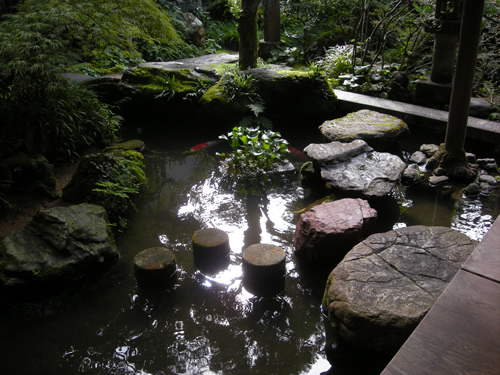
x: 155, y: 268
x: 377, y: 129
x: 264, y: 269
x: 355, y: 168
x: 211, y: 249
x: 327, y: 231
x: 385, y: 285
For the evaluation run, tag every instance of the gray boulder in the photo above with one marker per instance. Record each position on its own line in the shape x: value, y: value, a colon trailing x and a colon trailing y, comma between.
x: 59, y: 244
x: 385, y: 285
x: 429, y: 149
x: 194, y: 29
x: 412, y: 175
x: 329, y: 230
x: 355, y: 168
x: 375, y: 128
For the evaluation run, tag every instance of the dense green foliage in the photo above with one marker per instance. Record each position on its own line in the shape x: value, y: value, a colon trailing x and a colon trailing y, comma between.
x: 46, y: 37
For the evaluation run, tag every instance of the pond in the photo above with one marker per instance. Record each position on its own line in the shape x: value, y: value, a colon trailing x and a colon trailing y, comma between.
x: 208, y: 323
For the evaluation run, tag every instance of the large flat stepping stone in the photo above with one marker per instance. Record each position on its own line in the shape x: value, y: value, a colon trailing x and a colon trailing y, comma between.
x: 386, y: 284
x: 373, y: 127
x: 355, y: 168
x: 327, y: 231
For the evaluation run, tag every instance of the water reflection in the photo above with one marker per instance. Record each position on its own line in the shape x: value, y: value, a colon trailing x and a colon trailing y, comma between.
x: 208, y: 323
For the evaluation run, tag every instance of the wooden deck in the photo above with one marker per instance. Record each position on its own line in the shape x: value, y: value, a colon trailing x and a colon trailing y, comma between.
x: 461, y: 332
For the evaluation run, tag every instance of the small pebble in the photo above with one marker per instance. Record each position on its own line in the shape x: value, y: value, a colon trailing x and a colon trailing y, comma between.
x: 418, y: 157
x: 437, y: 180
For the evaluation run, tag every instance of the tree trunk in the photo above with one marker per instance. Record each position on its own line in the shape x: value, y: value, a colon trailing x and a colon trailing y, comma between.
x: 247, y: 29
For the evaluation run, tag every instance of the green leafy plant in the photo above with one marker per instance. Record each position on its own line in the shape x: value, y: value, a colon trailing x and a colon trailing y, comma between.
x: 254, y: 150
x: 257, y: 120
x: 121, y: 178
x: 235, y: 83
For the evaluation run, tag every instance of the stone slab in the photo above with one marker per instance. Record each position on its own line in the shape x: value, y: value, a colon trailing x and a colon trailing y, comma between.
x: 385, y: 285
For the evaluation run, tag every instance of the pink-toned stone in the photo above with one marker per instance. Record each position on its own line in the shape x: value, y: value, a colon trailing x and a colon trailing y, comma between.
x: 331, y: 229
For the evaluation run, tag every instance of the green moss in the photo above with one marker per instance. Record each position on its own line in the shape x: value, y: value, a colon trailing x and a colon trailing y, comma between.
x: 133, y: 144
x: 222, y: 68
x: 294, y: 74
x: 219, y: 103
x: 324, y: 300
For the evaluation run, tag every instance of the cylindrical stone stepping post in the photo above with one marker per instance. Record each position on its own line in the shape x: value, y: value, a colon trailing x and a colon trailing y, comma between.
x: 264, y: 269
x: 211, y: 249
x: 155, y: 268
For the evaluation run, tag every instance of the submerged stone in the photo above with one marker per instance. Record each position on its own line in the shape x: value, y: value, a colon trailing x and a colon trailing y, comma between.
x: 386, y: 284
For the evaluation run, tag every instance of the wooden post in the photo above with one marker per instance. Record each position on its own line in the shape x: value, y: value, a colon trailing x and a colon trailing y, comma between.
x: 451, y: 159
x: 247, y: 29
x: 464, y: 75
x: 272, y: 21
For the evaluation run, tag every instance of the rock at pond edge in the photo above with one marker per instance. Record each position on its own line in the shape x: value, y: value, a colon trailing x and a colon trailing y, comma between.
x: 386, y: 284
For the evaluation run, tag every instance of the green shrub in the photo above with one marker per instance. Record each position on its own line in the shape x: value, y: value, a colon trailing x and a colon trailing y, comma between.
x: 121, y: 176
x: 38, y: 106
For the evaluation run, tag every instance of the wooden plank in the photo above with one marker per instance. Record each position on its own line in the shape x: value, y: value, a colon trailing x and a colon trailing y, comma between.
x: 459, y: 335
x: 485, y: 259
x: 480, y: 129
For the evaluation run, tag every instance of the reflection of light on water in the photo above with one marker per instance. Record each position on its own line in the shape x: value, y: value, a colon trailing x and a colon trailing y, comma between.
x: 399, y: 225
x: 213, y: 208
x: 318, y: 367
x: 470, y: 221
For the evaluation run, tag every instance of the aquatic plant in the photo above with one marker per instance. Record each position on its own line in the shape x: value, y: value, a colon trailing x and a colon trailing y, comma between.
x: 254, y: 150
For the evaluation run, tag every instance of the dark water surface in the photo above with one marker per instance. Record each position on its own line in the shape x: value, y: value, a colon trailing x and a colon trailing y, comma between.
x: 208, y: 323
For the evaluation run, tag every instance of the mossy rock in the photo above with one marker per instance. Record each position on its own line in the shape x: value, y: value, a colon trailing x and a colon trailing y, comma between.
x: 108, y: 179
x: 153, y: 79
x: 133, y: 144
x: 291, y: 93
x: 375, y: 128
x: 217, y: 103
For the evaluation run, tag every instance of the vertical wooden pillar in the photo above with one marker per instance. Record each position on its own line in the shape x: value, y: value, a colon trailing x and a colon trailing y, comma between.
x: 464, y: 75
x: 247, y: 28
x: 272, y: 21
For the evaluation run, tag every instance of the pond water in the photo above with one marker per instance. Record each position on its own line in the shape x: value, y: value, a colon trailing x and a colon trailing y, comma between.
x: 208, y: 323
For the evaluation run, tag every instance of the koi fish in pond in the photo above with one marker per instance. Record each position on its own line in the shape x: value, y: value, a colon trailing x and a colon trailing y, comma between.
x: 220, y: 145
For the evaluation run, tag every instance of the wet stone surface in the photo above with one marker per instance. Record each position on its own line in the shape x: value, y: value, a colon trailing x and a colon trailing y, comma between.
x: 355, y: 168
x: 386, y: 284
